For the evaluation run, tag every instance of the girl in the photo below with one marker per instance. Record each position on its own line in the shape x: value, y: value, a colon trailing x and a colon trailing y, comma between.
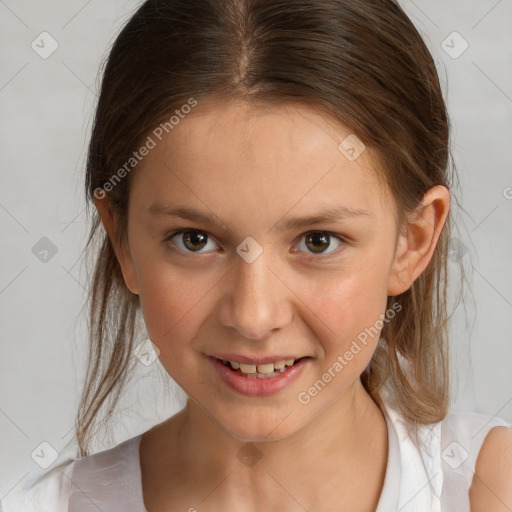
x: 272, y: 179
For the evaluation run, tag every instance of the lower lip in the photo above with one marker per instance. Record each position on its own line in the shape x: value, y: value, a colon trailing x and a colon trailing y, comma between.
x: 255, y: 386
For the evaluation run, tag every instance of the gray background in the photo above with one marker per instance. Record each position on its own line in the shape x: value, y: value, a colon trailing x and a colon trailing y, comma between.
x: 46, y: 108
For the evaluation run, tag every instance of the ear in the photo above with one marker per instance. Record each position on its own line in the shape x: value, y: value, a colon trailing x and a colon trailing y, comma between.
x: 418, y: 239
x: 124, y: 257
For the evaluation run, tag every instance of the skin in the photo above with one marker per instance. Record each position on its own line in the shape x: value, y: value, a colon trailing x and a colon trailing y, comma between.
x: 491, y: 488
x: 252, y: 167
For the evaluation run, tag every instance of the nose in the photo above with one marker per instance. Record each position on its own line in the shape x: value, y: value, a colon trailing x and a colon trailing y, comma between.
x: 256, y: 302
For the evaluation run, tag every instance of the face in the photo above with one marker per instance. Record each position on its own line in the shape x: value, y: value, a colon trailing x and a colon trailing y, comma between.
x: 259, y: 281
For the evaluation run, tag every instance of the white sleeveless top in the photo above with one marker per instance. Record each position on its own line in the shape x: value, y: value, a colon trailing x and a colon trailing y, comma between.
x: 435, y: 477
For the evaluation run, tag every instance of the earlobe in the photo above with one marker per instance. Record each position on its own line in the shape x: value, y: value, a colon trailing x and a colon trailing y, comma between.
x: 417, y: 243
x: 123, y: 255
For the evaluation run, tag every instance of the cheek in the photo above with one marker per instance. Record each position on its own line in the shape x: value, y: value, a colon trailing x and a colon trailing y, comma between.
x: 168, y: 305
x: 175, y: 304
x: 170, y: 312
x: 348, y: 308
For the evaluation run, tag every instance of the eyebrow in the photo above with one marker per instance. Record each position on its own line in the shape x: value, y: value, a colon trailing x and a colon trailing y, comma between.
x: 332, y: 215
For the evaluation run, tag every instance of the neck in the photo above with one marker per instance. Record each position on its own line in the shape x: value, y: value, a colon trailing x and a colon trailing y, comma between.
x: 340, y: 441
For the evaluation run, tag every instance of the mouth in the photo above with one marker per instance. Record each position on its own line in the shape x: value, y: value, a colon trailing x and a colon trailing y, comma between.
x: 261, y: 377
x: 261, y: 370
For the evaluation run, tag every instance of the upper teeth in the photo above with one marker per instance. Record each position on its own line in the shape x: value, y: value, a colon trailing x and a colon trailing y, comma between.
x: 260, y: 368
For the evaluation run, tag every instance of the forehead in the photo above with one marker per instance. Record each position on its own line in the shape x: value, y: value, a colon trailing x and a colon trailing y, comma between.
x: 273, y: 158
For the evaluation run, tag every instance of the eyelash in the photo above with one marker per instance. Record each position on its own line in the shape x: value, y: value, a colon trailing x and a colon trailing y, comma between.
x: 313, y: 257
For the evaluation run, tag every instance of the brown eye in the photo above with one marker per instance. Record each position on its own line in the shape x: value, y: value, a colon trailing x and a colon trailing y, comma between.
x: 194, y: 240
x: 189, y: 240
x: 320, y: 243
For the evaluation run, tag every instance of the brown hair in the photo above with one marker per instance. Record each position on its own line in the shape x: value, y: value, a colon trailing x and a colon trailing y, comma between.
x: 360, y: 61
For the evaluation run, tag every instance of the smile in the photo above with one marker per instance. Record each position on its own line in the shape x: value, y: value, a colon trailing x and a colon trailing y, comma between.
x: 260, y: 371
x: 261, y: 379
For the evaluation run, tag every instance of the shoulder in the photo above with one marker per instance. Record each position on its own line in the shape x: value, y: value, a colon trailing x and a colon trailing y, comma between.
x: 108, y: 480
x: 491, y: 488
x: 47, y: 491
x: 123, y: 455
